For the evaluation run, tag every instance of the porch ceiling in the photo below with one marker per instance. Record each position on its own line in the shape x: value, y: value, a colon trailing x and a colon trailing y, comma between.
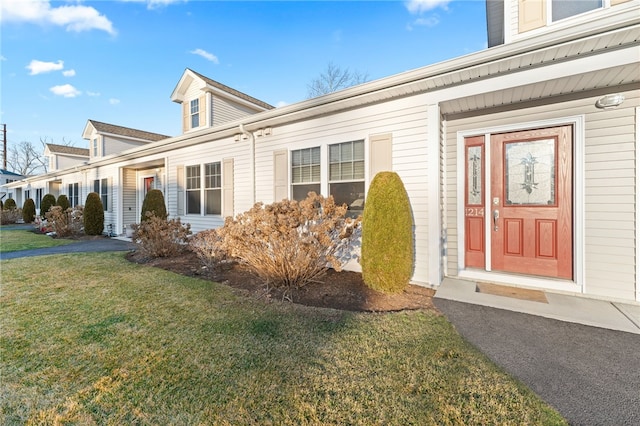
x: 150, y: 164
x: 544, y: 90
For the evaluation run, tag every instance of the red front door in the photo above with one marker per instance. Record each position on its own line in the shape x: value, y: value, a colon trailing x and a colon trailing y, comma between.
x: 530, y: 203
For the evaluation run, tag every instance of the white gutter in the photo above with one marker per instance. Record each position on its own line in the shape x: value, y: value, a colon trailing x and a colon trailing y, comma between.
x: 252, y: 161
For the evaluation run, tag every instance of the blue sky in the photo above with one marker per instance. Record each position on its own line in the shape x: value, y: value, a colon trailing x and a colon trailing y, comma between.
x: 64, y: 62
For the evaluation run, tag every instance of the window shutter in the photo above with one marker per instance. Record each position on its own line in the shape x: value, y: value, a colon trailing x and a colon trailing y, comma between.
x: 96, y: 186
x: 180, y: 190
x: 380, y: 154
x: 532, y: 14
x: 280, y: 175
x: 227, y: 187
x: 202, y: 106
x: 185, y: 116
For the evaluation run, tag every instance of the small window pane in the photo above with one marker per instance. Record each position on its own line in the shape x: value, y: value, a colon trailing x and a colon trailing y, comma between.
x: 351, y: 194
x: 300, y: 192
x: 213, y: 201
x: 193, y: 202
x: 561, y: 9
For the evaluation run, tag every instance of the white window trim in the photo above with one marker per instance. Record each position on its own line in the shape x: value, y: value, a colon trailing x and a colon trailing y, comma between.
x: 578, y: 284
x: 202, y: 190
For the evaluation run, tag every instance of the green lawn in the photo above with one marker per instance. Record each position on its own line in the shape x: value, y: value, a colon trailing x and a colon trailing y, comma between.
x: 94, y: 339
x: 19, y: 239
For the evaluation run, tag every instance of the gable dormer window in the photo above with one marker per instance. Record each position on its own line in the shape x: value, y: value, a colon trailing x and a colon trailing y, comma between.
x: 195, y: 113
x: 94, y: 146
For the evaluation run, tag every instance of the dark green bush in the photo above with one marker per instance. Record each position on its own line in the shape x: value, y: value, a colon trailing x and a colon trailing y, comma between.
x: 387, y: 235
x: 10, y: 204
x: 93, y: 217
x: 154, y: 204
x: 47, y: 202
x: 29, y: 211
x: 63, y: 202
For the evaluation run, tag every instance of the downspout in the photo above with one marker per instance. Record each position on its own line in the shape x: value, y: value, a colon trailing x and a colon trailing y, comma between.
x: 252, y: 162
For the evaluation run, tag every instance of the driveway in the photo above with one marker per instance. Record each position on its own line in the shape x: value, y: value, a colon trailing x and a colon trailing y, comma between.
x: 590, y: 375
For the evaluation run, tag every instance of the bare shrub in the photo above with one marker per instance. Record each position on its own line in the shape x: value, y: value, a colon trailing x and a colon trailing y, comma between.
x: 65, y: 223
x: 159, y: 237
x: 8, y: 216
x: 207, y: 245
x: 290, y: 243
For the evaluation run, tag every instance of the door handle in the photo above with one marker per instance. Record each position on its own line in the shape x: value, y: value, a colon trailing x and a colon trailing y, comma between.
x: 496, y: 216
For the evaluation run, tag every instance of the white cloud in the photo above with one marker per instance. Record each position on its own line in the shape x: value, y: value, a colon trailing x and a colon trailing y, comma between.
x: 208, y: 56
x: 73, y: 17
x: 431, y: 21
x: 65, y: 90
x: 41, y: 67
x: 114, y: 101
x: 69, y: 73
x: 420, y: 6
x: 155, y: 4
x: 93, y: 93
x: 281, y: 104
x: 2, y: 58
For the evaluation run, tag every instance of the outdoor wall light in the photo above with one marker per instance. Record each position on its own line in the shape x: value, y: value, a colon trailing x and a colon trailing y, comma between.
x: 610, y: 101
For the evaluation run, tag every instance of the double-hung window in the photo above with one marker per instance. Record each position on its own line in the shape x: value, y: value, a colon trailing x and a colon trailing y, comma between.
x: 213, y: 188
x: 94, y: 144
x: 346, y: 175
x: 74, y: 194
x: 193, y: 189
x: 195, y: 113
x: 38, y: 200
x: 305, y: 172
x: 101, y: 187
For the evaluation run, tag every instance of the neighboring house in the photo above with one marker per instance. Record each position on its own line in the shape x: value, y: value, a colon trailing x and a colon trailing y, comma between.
x: 63, y: 156
x: 521, y: 161
x: 7, y: 177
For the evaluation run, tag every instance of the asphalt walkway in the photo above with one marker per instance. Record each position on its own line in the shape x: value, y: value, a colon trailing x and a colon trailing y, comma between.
x: 589, y: 373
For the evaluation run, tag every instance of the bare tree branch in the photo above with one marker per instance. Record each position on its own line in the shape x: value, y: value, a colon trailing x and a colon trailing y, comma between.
x: 25, y: 159
x: 334, y: 78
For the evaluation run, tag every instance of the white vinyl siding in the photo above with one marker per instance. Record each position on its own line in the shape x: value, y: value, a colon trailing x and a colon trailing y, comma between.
x: 609, y: 186
x: 224, y: 111
x: 129, y: 197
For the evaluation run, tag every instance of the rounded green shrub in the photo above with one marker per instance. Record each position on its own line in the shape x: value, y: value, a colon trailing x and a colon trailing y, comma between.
x: 29, y: 211
x: 63, y: 202
x: 10, y: 204
x: 153, y: 203
x: 93, y: 215
x: 387, y: 235
x: 48, y: 201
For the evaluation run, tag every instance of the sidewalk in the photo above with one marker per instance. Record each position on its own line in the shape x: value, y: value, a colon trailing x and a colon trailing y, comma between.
x: 575, y: 309
x: 82, y: 246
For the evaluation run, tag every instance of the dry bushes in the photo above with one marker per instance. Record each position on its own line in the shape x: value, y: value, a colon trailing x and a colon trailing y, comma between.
x: 287, y: 243
x: 8, y: 216
x: 67, y: 222
x: 159, y: 237
x: 207, y: 245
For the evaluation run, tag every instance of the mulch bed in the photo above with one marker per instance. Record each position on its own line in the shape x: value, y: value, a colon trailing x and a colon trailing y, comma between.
x: 339, y: 290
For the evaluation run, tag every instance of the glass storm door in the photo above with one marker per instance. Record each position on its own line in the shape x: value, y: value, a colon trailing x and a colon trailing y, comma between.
x: 529, y: 214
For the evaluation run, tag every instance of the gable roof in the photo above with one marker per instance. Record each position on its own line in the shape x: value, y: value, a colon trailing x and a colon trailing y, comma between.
x: 215, y: 85
x: 123, y: 131
x: 67, y: 150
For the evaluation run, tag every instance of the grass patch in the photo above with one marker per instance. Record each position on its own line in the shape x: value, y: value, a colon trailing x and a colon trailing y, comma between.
x: 20, y: 239
x: 110, y: 342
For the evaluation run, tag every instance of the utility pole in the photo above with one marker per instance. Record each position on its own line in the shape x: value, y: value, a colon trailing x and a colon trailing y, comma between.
x: 4, y: 146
